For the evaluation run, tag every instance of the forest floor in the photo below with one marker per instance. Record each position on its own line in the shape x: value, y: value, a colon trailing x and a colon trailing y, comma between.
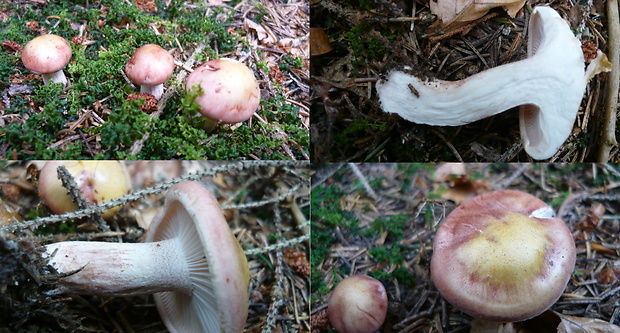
x: 266, y: 205
x: 93, y: 117
x: 380, y: 220
x: 361, y: 41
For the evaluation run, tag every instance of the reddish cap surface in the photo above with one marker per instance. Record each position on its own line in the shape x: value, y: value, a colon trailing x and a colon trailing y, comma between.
x: 231, y: 93
x: 46, y: 54
x: 150, y: 65
x: 501, y: 256
x: 358, y: 304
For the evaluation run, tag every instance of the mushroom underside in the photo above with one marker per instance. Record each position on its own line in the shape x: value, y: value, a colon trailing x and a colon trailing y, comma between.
x: 548, y: 86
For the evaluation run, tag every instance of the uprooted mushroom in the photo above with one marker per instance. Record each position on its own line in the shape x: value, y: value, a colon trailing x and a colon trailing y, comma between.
x: 548, y: 86
x: 191, y: 261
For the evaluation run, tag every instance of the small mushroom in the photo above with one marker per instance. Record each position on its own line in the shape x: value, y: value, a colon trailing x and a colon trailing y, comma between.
x: 502, y: 257
x: 47, y: 55
x: 358, y: 304
x: 99, y: 181
x: 191, y: 261
x: 150, y: 67
x: 231, y: 93
x: 548, y: 85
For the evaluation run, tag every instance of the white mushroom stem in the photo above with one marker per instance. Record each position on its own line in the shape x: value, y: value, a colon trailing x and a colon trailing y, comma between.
x: 548, y: 85
x: 156, y: 90
x: 114, y: 269
x: 56, y: 77
x: 455, y: 103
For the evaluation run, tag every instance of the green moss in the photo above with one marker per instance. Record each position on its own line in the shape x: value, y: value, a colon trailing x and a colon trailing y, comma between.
x: 429, y: 215
x: 123, y: 128
x: 557, y: 201
x: 394, y: 225
x: 326, y: 214
x: 114, y: 30
x: 388, y: 254
x: 62, y: 227
x: 363, y: 46
x: 356, y: 129
x: 401, y: 273
x: 41, y: 127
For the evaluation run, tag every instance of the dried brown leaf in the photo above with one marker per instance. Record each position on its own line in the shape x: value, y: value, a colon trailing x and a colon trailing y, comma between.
x: 607, y: 276
x: 263, y: 36
x: 7, y: 214
x: 572, y: 324
x: 591, y: 221
x: 449, y: 11
x: 11, y: 192
x: 461, y: 187
x: 319, y: 42
x: 448, y: 171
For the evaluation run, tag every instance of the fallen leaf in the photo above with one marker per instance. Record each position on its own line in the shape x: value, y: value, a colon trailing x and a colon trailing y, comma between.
x: 319, y: 42
x: 448, y: 171
x: 297, y: 47
x: 449, y: 11
x: 572, y: 324
x: 607, y: 276
x: 7, y: 214
x: 592, y: 220
x: 461, y: 187
x: 261, y: 32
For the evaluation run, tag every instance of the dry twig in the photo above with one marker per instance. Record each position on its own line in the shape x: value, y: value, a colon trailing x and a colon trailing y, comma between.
x: 608, y: 139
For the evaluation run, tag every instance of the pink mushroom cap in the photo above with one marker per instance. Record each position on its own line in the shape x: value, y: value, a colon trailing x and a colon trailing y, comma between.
x: 502, y: 256
x: 47, y: 55
x: 150, y: 67
x: 231, y: 93
x: 358, y: 304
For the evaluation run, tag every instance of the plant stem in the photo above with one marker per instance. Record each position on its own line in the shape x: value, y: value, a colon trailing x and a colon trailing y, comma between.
x: 608, y: 137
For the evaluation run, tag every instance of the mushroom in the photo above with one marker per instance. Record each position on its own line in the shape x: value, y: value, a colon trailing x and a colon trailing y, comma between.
x: 99, y: 181
x: 358, y: 304
x: 191, y: 261
x: 502, y: 257
x: 230, y: 91
x: 150, y: 66
x: 548, y: 85
x: 47, y: 55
